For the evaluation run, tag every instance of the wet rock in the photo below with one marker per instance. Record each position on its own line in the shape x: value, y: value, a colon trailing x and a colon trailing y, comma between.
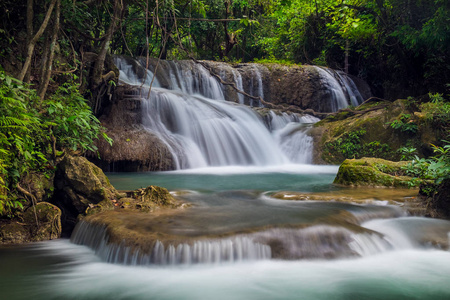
x: 372, y: 172
x: 134, y: 149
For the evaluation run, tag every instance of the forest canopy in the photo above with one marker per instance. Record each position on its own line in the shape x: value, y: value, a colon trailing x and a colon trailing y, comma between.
x: 401, y: 47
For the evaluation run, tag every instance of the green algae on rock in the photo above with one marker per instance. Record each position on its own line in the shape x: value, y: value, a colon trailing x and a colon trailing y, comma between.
x: 374, y: 172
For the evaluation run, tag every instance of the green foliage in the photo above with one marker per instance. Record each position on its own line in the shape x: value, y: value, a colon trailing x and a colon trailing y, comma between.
x: 351, y: 145
x: 435, y: 168
x: 30, y: 131
x: 71, y: 121
x: 404, y: 124
x: 407, y: 153
x: 437, y: 111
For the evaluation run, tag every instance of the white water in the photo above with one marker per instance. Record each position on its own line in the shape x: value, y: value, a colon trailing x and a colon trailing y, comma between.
x: 202, y: 129
x: 342, y: 89
x: 404, y: 274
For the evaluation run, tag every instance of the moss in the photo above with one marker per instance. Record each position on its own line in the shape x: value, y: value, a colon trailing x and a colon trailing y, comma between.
x: 372, y: 172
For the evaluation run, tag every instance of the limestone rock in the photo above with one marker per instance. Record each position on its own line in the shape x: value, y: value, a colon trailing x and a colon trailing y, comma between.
x: 372, y: 172
x: 376, y: 138
x: 80, y: 185
x: 13, y: 233
x: 134, y: 149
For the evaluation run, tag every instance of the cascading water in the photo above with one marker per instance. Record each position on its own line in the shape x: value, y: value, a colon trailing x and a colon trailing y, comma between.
x: 316, y: 242
x: 256, y: 88
x: 202, y: 129
x: 290, y: 131
x: 342, y: 89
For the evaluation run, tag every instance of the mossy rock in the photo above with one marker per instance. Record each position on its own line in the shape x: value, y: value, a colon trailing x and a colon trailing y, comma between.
x: 41, y: 222
x: 374, y: 172
x: 376, y: 138
x: 13, y: 233
x: 148, y: 199
x: 44, y: 220
x: 81, y: 186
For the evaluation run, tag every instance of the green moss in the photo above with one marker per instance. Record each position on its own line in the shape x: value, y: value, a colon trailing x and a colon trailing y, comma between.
x: 343, y: 138
x: 372, y: 172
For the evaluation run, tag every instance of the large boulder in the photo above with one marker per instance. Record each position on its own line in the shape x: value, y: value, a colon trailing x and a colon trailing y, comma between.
x: 79, y: 186
x: 367, y: 132
x: 372, y: 172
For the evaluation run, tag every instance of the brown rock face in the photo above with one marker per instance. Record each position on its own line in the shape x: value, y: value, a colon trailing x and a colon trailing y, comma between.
x: 134, y: 149
x: 80, y: 185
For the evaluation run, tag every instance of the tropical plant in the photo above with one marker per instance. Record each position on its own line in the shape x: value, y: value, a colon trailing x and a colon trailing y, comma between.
x: 33, y: 133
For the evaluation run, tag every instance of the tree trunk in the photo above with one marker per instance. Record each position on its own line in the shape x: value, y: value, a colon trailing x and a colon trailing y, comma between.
x: 347, y: 46
x: 99, y: 63
x: 34, y: 40
x: 230, y: 39
x: 48, y: 66
x: 30, y: 15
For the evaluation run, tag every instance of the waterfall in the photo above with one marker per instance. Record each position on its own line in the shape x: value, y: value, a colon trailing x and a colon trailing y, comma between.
x: 343, y: 91
x: 188, y: 110
x: 234, y: 249
x: 256, y: 88
x: 315, y: 242
x: 239, y: 84
x: 291, y: 132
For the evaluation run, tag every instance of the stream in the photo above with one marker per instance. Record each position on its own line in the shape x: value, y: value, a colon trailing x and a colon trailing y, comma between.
x: 401, y: 265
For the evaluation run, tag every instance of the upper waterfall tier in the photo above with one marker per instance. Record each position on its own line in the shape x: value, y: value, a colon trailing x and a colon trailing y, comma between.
x: 308, y: 87
x: 203, y: 123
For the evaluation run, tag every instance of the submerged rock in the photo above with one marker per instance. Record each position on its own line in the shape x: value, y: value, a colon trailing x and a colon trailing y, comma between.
x: 372, y: 172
